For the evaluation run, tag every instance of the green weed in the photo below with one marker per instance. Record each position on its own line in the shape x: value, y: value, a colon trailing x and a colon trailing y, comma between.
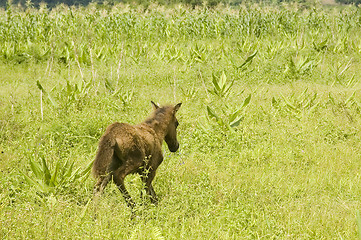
x: 46, y: 180
x: 269, y: 127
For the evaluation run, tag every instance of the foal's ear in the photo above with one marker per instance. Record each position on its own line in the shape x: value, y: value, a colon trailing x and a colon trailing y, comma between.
x: 155, y: 106
x: 176, y: 107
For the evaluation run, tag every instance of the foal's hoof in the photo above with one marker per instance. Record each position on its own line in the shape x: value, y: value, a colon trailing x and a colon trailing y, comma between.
x: 154, y: 202
x: 133, y: 215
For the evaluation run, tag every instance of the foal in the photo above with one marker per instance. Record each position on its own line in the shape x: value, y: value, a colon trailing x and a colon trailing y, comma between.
x: 126, y: 149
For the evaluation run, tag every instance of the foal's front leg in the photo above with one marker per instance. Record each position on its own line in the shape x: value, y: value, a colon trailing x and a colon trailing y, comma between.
x: 147, y: 178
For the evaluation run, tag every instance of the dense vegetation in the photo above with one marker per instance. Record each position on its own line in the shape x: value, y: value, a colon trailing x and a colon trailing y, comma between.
x: 54, y: 3
x: 355, y: 2
x: 269, y: 126
x: 209, y: 3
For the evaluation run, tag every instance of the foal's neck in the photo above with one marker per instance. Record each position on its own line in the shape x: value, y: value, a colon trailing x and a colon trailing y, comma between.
x: 159, y: 127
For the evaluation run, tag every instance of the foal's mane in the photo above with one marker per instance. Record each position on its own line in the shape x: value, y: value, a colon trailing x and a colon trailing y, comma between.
x: 159, y: 115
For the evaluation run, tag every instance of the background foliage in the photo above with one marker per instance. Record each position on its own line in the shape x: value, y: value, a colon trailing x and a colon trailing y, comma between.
x: 269, y: 126
x: 211, y: 3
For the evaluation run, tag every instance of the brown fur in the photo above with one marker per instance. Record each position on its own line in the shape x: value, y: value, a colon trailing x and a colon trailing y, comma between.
x: 126, y: 149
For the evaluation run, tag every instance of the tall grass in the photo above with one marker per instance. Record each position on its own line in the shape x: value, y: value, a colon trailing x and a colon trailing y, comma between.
x: 269, y: 126
x: 88, y: 35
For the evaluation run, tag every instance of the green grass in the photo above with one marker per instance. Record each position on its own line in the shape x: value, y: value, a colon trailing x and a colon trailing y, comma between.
x: 289, y: 170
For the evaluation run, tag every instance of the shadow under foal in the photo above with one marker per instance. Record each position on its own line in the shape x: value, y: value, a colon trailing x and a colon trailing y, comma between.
x: 126, y: 149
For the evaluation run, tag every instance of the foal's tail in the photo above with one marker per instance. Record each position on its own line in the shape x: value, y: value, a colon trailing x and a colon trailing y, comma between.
x: 104, y: 156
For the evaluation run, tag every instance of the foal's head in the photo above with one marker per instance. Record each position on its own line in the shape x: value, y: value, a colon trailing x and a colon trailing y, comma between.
x: 171, y: 122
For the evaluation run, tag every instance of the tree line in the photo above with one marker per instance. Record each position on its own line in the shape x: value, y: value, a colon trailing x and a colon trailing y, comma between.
x: 53, y: 3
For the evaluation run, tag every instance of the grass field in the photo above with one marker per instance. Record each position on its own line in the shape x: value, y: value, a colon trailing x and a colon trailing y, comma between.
x: 269, y: 126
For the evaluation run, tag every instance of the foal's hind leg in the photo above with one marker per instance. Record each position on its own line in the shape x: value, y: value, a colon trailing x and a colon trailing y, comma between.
x: 128, y: 199
x: 101, y: 184
x: 98, y: 189
x: 118, y: 178
x: 104, y: 179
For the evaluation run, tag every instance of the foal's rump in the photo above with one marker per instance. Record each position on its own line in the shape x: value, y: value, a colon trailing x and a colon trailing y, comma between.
x: 104, y: 155
x: 120, y: 141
